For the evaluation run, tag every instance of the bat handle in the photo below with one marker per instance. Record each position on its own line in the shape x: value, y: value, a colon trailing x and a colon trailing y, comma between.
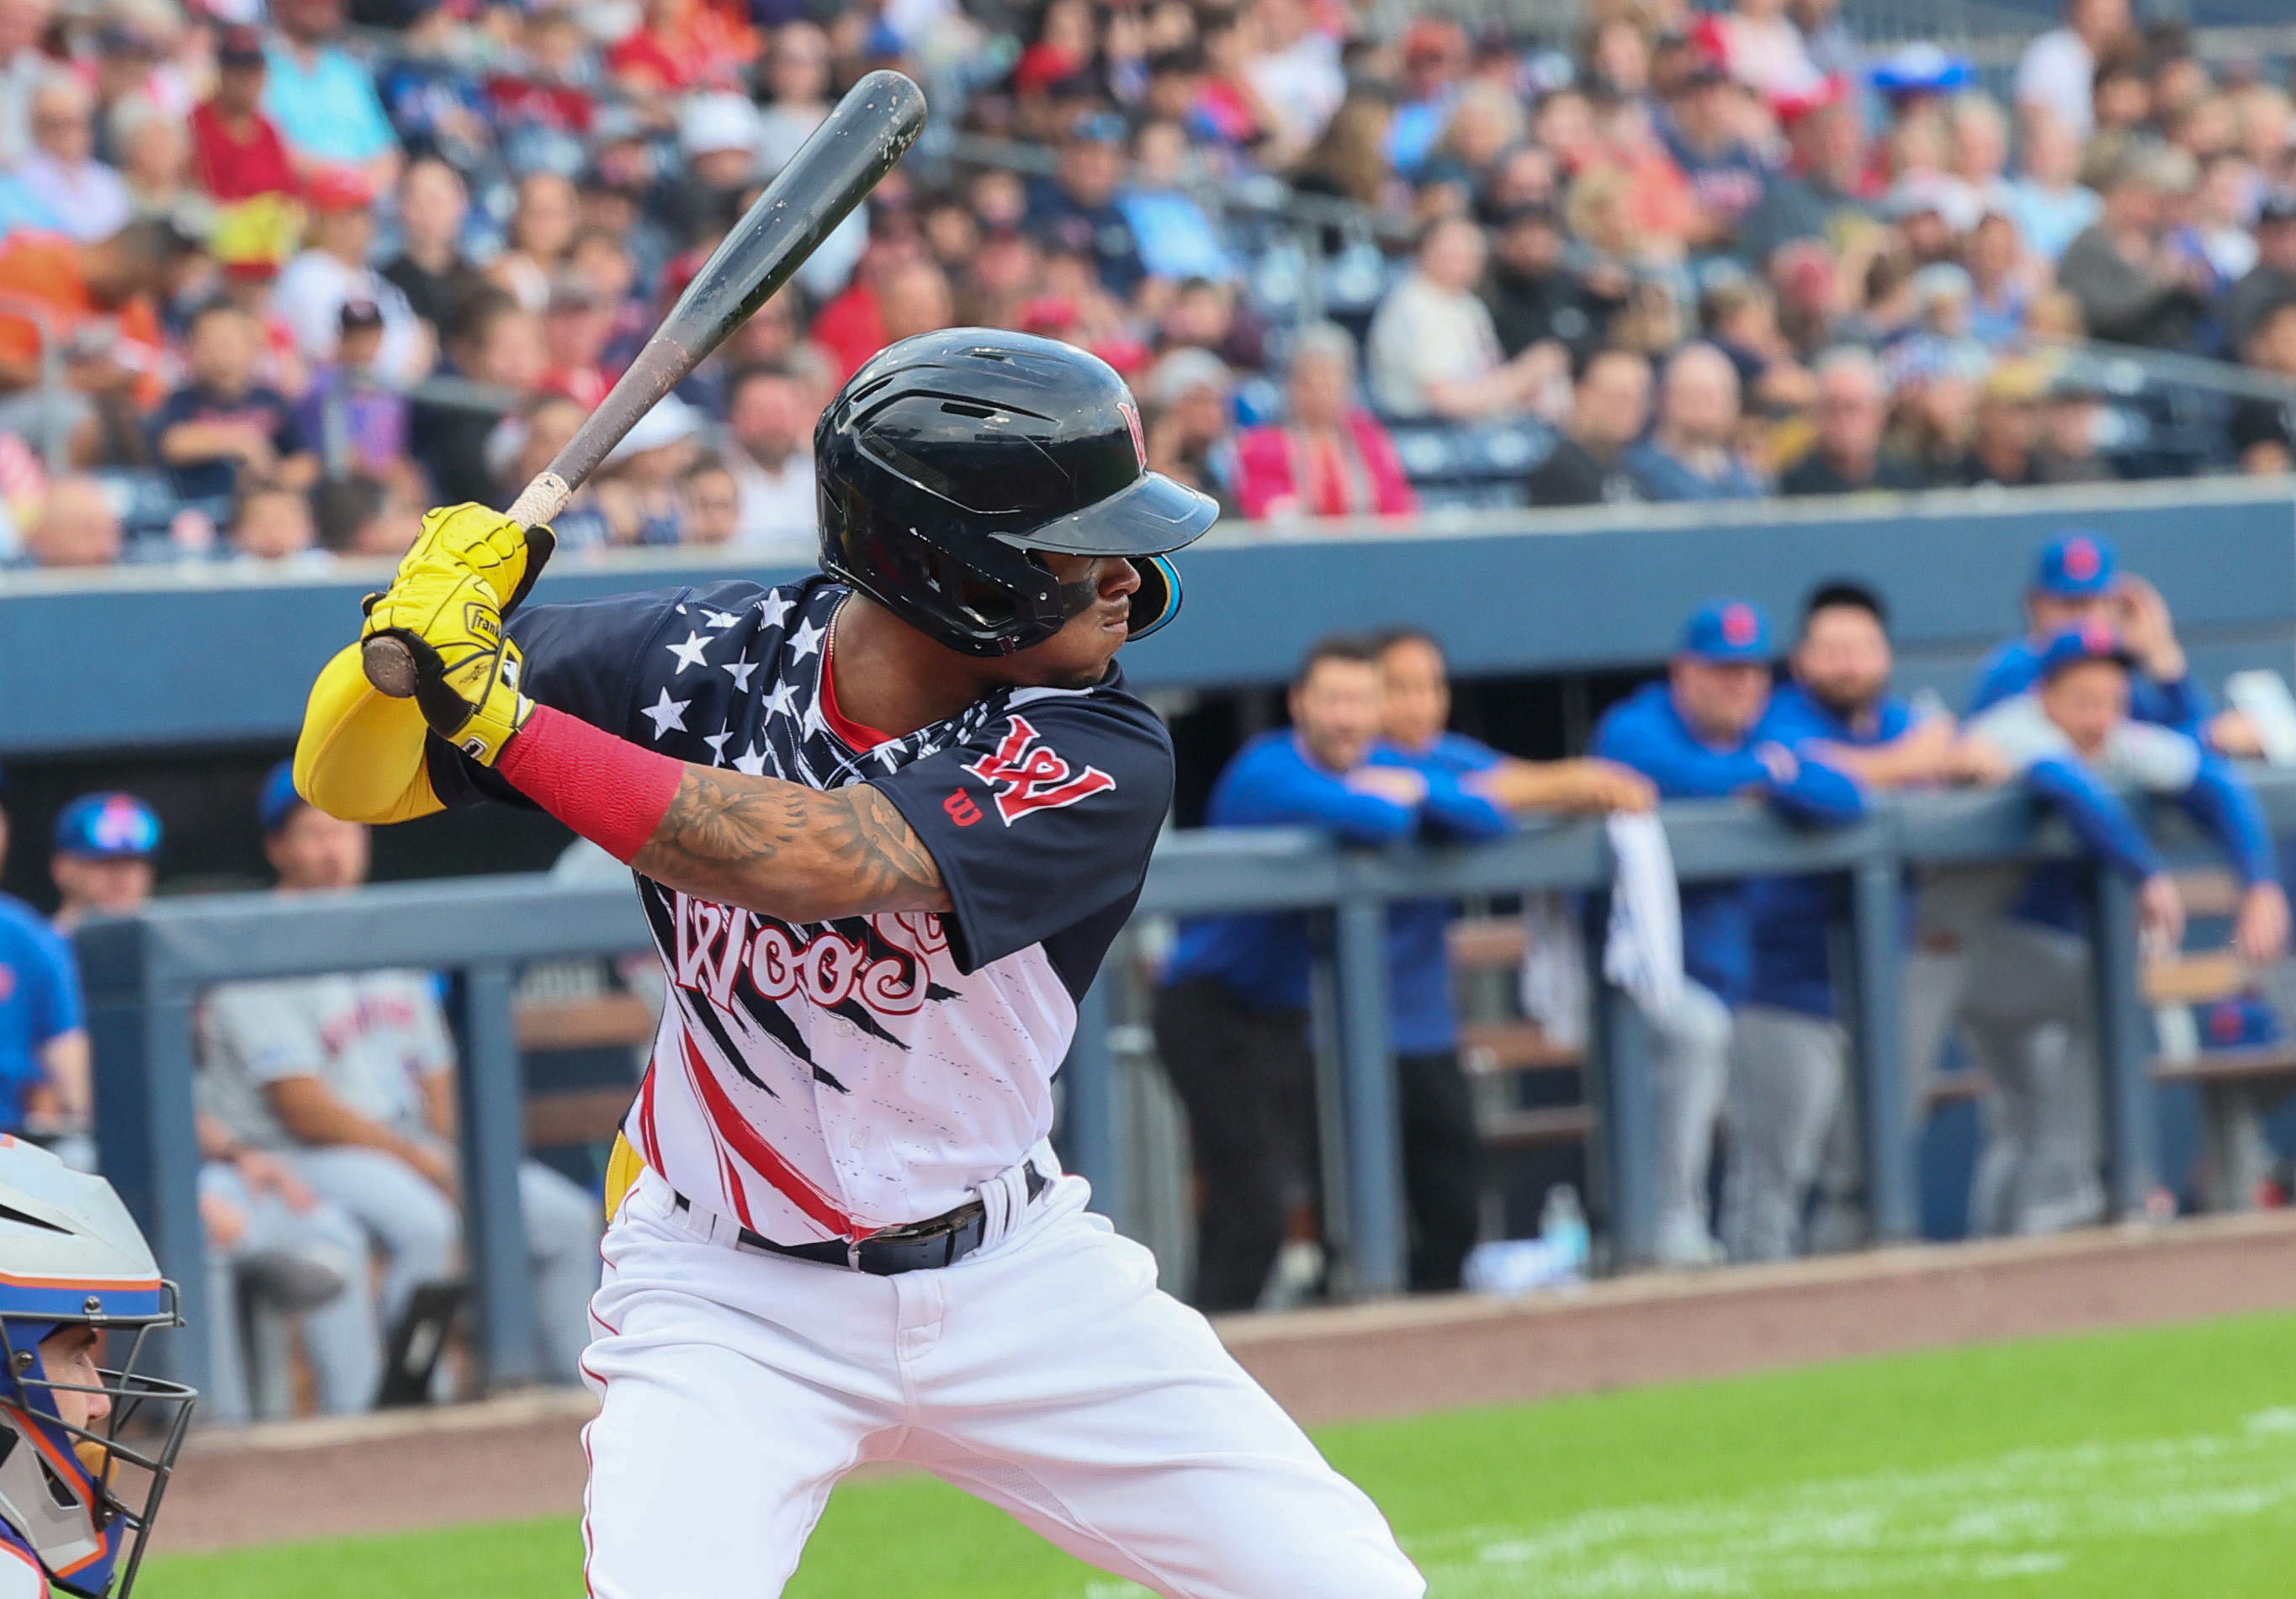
x: 387, y: 663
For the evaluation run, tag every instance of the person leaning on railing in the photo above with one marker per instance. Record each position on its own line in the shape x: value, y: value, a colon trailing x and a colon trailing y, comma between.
x: 1231, y: 1016
x: 1705, y: 733
x: 1442, y: 1153
x: 2026, y: 1007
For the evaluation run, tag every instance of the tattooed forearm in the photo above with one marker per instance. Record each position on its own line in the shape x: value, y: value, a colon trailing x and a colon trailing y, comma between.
x: 786, y: 851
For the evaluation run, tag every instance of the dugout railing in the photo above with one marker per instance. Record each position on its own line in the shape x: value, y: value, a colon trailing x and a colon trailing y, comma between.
x: 145, y: 975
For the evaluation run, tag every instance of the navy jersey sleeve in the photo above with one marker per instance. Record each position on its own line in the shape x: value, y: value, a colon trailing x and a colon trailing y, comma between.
x: 1041, y: 820
x: 586, y: 660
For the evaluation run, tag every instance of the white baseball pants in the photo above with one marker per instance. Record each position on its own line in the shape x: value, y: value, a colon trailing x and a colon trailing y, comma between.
x: 1043, y: 1373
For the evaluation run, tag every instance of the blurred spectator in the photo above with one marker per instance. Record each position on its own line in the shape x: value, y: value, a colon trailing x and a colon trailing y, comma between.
x: 2057, y: 72
x: 431, y: 269
x: 712, y: 502
x: 23, y: 62
x: 2003, y: 448
x: 575, y: 329
x: 1433, y: 349
x: 105, y: 845
x: 2264, y: 430
x: 1190, y: 422
x: 637, y: 486
x: 1350, y: 160
x: 718, y: 138
x: 2047, y: 201
x: 98, y: 301
x: 1764, y: 50
x: 1691, y: 453
x: 77, y: 527
x: 1295, y: 70
x: 1532, y: 295
x: 769, y: 453
x: 348, y: 416
x: 44, y: 1055
x: 1231, y: 1016
x: 222, y: 430
x: 1077, y: 207
x: 351, y: 1075
x: 359, y: 515
x: 270, y: 523
x: 1821, y: 193
x: 541, y: 229
x: 680, y: 44
x: 496, y: 343
x: 332, y: 271
x: 1703, y: 734
x: 1435, y: 60
x: 88, y: 198
x: 239, y: 151
x: 1852, y: 410
x: 796, y: 81
x: 323, y: 99
x: 1608, y: 409
x: 1328, y: 456
x: 2072, y: 411
x: 2273, y: 278
x: 1999, y: 295
x: 1175, y: 239
x: 155, y: 158
x: 2133, y: 287
x: 1485, y: 120
x: 1705, y: 133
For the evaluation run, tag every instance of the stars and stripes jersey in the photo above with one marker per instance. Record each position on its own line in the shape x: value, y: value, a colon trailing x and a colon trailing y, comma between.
x: 830, y: 1078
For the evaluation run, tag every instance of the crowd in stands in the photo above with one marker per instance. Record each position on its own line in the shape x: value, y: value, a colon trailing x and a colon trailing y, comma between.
x: 251, y: 257
x: 1752, y: 1055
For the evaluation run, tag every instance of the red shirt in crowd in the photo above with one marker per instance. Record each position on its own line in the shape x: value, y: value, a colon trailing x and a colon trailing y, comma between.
x: 1281, y: 472
x: 239, y: 165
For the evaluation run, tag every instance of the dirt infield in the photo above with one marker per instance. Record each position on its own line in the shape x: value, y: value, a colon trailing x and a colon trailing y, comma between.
x: 520, y: 1456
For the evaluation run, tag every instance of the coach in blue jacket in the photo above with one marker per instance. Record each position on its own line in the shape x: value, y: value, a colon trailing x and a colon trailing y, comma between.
x: 1701, y: 734
x: 1232, y: 1016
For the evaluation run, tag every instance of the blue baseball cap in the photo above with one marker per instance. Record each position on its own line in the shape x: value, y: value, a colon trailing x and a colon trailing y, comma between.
x: 2077, y: 565
x: 107, y: 827
x: 2094, y: 641
x: 1727, y: 630
x: 280, y: 797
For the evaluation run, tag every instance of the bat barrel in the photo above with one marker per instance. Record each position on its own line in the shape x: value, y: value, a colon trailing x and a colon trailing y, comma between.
x: 855, y: 145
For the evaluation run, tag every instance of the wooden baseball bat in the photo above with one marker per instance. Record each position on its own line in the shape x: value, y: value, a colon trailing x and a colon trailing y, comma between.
x: 869, y: 130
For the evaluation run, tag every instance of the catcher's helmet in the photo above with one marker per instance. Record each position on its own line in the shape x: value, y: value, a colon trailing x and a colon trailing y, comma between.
x: 82, y: 1466
x: 949, y: 458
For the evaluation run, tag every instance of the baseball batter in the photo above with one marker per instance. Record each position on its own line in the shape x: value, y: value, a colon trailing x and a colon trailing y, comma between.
x: 885, y: 823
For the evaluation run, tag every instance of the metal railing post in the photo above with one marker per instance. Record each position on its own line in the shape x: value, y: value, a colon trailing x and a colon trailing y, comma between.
x: 1092, y: 1132
x: 1367, y: 1096
x: 1627, y: 1102
x: 1876, y: 920
x: 494, y: 1147
x: 147, y: 1143
x: 2131, y: 1134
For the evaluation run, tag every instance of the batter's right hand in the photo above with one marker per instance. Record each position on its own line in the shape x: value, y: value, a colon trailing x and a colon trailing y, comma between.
x: 466, y: 668
x: 500, y: 554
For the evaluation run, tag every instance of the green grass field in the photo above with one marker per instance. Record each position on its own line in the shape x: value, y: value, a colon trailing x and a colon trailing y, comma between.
x: 2153, y: 1463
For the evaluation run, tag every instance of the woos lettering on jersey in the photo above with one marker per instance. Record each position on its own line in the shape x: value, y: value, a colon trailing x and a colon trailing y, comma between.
x: 717, y: 946
x: 1027, y: 775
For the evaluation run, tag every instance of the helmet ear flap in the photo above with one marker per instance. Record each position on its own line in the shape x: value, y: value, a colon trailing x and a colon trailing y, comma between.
x: 1157, y: 600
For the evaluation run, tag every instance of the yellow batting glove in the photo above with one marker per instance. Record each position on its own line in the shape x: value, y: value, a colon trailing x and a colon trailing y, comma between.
x: 466, y: 671
x: 506, y: 557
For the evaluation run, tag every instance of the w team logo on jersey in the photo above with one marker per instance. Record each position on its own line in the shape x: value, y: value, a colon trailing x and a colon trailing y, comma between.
x: 1028, y: 775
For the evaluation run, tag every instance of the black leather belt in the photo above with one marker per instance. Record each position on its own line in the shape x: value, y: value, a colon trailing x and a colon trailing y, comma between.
x: 914, y: 1246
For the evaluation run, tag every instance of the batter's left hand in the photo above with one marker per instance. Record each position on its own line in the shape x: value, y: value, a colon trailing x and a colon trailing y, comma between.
x: 466, y: 668
x: 487, y: 545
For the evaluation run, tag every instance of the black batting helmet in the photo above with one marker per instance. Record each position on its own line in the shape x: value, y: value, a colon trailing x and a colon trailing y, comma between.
x: 950, y: 459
